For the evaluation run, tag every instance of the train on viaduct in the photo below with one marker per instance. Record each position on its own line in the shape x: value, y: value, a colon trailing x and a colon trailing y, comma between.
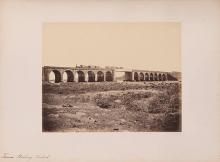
x: 108, y: 74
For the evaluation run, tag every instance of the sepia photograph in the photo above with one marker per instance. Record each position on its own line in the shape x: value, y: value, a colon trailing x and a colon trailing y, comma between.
x: 111, y: 77
x: 109, y: 81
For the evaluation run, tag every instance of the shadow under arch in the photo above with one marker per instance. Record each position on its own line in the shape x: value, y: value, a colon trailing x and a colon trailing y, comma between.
x: 69, y: 76
x: 100, y: 76
x: 164, y: 77
x: 55, y: 76
x: 159, y: 77
x: 91, y: 76
x: 136, y: 78
x: 146, y: 77
x: 81, y: 76
x: 109, y: 76
x: 141, y: 76
x: 155, y: 77
x: 151, y: 77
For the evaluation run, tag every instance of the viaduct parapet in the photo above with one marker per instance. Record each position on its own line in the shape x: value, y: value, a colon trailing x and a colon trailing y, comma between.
x: 99, y: 74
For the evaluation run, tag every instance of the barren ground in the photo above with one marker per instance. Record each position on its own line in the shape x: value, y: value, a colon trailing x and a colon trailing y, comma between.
x: 111, y: 106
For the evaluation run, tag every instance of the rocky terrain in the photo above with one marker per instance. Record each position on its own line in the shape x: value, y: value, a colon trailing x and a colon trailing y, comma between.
x: 112, y: 106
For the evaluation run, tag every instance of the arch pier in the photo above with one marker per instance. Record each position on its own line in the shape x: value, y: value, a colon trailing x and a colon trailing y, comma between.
x: 141, y: 75
x: 70, y: 74
x: 88, y: 74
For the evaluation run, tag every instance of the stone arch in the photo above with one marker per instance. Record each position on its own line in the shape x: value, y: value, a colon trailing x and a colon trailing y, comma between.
x: 81, y: 76
x: 164, y: 77
x: 109, y: 76
x: 155, y: 77
x: 69, y: 76
x: 100, y: 76
x: 146, y: 76
x: 55, y: 76
x: 159, y: 77
x: 91, y: 76
x: 151, y: 77
x: 136, y: 78
x: 141, y: 76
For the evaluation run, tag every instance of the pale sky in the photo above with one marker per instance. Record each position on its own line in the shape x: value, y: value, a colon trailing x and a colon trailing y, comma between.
x: 144, y: 45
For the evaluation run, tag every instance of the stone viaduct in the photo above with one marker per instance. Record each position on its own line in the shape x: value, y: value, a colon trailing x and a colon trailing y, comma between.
x: 97, y: 74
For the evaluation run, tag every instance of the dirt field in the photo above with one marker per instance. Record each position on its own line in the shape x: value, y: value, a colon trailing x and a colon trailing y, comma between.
x: 111, y: 106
